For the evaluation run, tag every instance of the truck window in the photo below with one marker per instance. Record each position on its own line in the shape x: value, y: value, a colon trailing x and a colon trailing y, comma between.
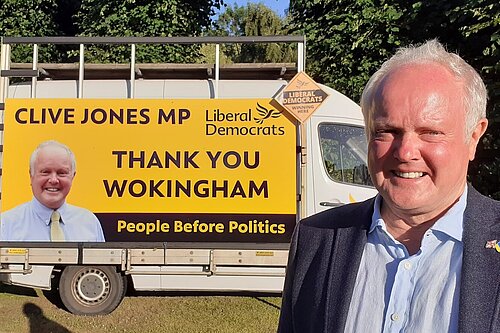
x: 344, y: 153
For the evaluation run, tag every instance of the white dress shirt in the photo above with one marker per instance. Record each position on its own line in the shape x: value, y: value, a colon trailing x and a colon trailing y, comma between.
x: 31, y: 222
x: 396, y: 292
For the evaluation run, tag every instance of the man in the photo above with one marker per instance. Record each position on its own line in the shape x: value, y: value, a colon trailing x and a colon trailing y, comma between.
x: 47, y: 217
x: 415, y: 257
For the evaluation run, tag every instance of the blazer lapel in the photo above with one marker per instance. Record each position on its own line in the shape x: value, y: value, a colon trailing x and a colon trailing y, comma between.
x: 348, y: 248
x: 480, y: 280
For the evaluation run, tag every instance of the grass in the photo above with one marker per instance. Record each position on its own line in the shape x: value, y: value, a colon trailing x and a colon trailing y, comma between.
x: 26, y: 310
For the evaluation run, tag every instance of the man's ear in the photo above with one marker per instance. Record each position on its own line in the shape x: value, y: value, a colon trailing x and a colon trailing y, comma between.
x: 476, y: 136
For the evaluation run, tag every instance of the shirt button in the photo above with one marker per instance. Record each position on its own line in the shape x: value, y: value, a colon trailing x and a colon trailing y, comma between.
x: 394, y: 317
x: 407, y: 265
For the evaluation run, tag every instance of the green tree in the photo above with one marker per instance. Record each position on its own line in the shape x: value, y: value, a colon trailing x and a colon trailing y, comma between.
x: 106, y: 18
x: 30, y: 18
x: 161, y: 18
x: 347, y: 39
x: 252, y: 20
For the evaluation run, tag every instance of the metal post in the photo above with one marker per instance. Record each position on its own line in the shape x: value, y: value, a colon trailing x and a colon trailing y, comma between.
x: 81, y: 72
x: 300, y: 57
x: 303, y: 137
x: 4, y: 65
x: 217, y: 67
x: 304, y: 54
x: 303, y: 166
x: 132, y: 72
x: 35, y: 67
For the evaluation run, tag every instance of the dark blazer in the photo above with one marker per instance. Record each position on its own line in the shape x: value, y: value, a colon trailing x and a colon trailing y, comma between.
x: 326, y: 251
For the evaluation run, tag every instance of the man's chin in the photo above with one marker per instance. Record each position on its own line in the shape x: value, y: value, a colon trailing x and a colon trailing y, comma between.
x: 51, y: 203
x: 407, y: 202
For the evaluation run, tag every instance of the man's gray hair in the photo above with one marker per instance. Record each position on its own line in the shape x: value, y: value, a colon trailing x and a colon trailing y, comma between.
x: 51, y: 143
x: 475, y: 94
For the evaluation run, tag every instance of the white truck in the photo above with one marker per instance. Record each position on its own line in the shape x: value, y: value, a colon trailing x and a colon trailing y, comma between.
x: 197, y: 172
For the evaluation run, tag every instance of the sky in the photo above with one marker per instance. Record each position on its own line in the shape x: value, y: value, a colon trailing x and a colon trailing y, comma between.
x: 278, y: 6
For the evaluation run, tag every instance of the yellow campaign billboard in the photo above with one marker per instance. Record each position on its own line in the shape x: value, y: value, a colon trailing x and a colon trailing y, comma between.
x: 164, y: 170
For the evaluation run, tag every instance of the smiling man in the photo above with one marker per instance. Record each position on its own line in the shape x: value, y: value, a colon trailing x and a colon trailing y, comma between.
x: 415, y: 257
x: 47, y: 217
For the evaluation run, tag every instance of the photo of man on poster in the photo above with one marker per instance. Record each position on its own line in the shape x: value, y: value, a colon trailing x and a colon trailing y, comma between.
x: 48, y: 217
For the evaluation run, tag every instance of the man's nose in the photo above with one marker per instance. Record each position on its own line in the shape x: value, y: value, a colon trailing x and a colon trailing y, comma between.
x: 53, y: 178
x: 406, y: 148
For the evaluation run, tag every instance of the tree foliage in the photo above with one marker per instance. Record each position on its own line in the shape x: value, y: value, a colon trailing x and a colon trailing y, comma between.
x: 107, y: 18
x: 161, y: 18
x: 252, y: 20
x: 349, y: 39
x: 30, y: 18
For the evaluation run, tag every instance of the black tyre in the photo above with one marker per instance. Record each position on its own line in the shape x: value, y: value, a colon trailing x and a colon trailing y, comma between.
x: 91, y: 290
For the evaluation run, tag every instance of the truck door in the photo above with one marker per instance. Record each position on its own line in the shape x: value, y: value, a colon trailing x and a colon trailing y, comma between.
x: 339, y: 163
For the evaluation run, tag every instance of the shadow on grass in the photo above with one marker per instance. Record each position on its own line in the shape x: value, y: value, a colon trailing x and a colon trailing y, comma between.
x: 51, y: 295
x: 16, y: 290
x: 256, y: 295
x: 268, y: 303
x: 39, y: 323
x: 176, y: 293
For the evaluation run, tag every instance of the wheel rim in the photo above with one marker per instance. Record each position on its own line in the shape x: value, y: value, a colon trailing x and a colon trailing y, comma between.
x: 91, y: 286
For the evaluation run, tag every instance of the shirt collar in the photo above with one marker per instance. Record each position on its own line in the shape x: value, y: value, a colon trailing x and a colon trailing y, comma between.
x: 44, y: 212
x: 451, y: 223
x: 377, y: 217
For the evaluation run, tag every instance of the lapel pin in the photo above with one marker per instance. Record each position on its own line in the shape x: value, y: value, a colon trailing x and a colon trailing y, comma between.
x: 493, y: 244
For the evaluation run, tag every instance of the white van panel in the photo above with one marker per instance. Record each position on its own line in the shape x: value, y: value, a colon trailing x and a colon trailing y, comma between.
x: 249, y: 89
x: 338, y: 104
x: 190, y: 89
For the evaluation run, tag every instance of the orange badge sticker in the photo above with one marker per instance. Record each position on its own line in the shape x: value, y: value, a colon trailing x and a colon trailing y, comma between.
x: 302, y: 96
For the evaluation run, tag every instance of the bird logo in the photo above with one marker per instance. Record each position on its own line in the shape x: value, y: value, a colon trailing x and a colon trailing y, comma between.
x: 265, y: 114
x: 300, y: 84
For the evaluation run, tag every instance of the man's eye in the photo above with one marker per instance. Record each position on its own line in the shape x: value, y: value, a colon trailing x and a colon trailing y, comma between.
x: 432, y: 133
x: 383, y: 133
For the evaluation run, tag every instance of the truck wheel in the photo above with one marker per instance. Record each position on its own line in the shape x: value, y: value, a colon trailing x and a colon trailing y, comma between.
x: 91, y: 290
